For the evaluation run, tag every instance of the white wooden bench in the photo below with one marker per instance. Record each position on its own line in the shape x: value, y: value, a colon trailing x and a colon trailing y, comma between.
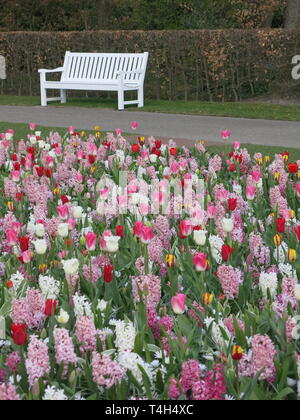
x: 98, y: 72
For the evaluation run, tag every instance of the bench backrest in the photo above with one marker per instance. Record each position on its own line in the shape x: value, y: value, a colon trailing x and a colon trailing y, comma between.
x: 97, y: 67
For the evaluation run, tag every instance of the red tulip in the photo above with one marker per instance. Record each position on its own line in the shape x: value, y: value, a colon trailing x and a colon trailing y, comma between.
x: 24, y: 243
x: 48, y: 172
x: 19, y: 334
x: 108, y: 273
x: 92, y: 159
x: 232, y: 203
x: 158, y: 144
x: 293, y: 168
x: 17, y: 166
x: 40, y: 171
x: 19, y: 196
x: 14, y: 157
x: 173, y: 151
x: 120, y: 231
x: 64, y: 199
x: 135, y: 148
x: 227, y: 251
x: 297, y: 232
x: 280, y: 224
x: 50, y: 307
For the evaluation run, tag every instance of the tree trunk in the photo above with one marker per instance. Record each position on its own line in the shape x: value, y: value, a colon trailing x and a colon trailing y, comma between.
x: 292, y: 17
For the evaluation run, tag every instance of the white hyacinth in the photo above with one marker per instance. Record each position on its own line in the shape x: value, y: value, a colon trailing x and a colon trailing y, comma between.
x: 268, y: 281
x: 17, y: 279
x: 216, y: 243
x: 82, y: 306
x: 125, y: 335
x: 49, y: 287
x: 54, y: 394
x: 132, y: 361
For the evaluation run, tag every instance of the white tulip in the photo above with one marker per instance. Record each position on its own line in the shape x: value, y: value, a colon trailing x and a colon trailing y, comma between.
x: 40, y: 246
x: 297, y: 292
x: 227, y: 225
x: 77, y: 212
x: 39, y: 230
x: 112, y: 243
x: 153, y: 158
x: 200, y: 237
x: 33, y: 140
x: 63, y: 230
x: 71, y: 266
x: 63, y: 317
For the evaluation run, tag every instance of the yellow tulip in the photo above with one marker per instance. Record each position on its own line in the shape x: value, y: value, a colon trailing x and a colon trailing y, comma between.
x: 277, y: 240
x: 207, y: 298
x: 170, y: 260
x: 292, y: 255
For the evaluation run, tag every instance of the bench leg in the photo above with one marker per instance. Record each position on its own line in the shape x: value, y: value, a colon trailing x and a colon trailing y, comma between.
x: 121, y: 105
x: 63, y: 96
x: 141, y: 98
x: 43, y: 96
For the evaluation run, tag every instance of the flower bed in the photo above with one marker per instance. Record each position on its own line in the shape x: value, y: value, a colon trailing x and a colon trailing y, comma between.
x: 147, y: 271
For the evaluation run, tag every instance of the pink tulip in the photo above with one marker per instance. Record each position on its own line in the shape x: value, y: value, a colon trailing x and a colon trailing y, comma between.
x: 91, y: 241
x: 50, y: 161
x: 185, y: 228
x: 256, y: 176
x: 63, y: 211
x: 5, y: 143
x: 32, y: 126
x: 79, y: 177
x: 134, y: 125
x: 122, y: 200
x: 250, y: 193
x: 104, y: 193
x: 226, y: 134
x: 71, y: 129
x: 71, y: 223
x: 211, y: 211
x: 297, y: 188
x: 11, y: 237
x: 237, y: 145
x: 26, y: 257
x: 144, y: 209
x: 200, y: 261
x: 137, y: 229
x: 15, y: 176
x: 3, y: 136
x: 145, y: 154
x: 174, y: 167
x: 106, y: 234
x: 178, y: 303
x: 80, y: 155
x: 118, y: 131
x: 11, y: 131
x: 147, y: 235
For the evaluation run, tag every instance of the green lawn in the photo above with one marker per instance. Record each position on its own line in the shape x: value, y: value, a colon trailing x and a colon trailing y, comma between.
x: 21, y: 131
x: 229, y: 109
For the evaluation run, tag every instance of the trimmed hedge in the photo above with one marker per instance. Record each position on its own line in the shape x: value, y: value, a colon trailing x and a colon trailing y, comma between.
x: 211, y: 65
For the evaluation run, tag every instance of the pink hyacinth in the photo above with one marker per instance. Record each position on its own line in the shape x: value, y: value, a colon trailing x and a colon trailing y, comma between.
x: 64, y: 348
x: 13, y: 361
x: 8, y: 393
x: 263, y: 356
x: 37, y: 362
x: 174, y: 392
x: 230, y: 279
x: 212, y: 387
x: 190, y: 375
x: 150, y: 288
x: 106, y: 372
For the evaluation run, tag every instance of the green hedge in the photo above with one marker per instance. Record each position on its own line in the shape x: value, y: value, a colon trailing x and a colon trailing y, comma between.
x: 190, y: 65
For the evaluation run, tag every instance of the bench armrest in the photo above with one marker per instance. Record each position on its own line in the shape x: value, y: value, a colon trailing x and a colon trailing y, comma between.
x: 58, y: 70
x: 121, y: 74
